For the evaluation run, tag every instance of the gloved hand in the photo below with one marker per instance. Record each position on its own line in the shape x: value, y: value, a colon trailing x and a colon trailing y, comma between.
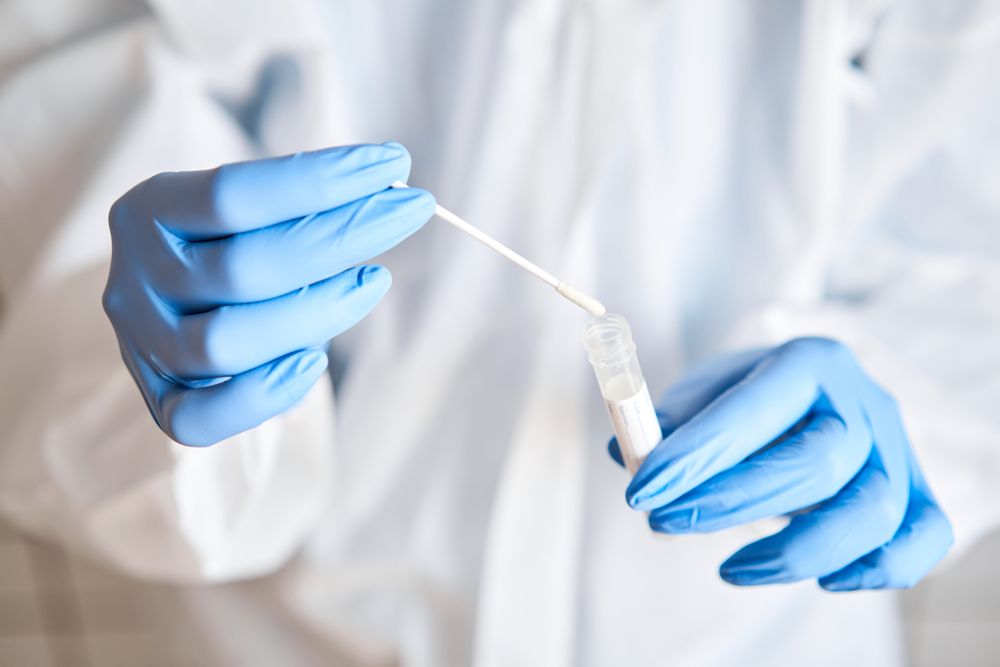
x: 225, y: 284
x: 801, y: 430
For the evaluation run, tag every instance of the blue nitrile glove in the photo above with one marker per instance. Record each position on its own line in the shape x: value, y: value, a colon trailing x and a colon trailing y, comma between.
x: 801, y: 430
x: 225, y: 284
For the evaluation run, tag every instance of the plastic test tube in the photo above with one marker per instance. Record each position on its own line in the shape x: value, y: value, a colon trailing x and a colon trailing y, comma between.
x: 609, y: 343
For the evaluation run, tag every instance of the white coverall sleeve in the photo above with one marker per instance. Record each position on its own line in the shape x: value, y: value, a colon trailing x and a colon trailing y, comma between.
x: 84, y: 114
x: 915, y: 284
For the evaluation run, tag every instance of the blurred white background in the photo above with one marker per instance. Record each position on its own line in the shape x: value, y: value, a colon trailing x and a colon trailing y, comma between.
x: 57, y: 611
x: 953, y: 617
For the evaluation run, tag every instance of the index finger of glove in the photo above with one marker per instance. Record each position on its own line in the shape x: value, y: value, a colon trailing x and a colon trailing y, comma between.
x: 239, y: 197
x: 266, y: 263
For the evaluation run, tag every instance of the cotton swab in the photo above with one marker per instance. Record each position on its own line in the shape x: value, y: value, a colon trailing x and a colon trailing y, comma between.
x: 581, y: 299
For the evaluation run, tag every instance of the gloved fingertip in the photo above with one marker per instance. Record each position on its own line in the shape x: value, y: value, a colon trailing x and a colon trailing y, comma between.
x: 674, y: 521
x: 312, y: 362
x: 738, y: 577
x: 373, y: 275
x: 633, y: 498
x: 410, y: 201
x: 843, y: 580
x: 395, y: 147
x: 837, y: 586
x: 753, y: 566
x: 638, y: 495
x: 398, y: 161
x: 741, y: 559
x: 615, y: 452
x: 300, y: 368
x: 859, y: 575
x: 405, y: 210
x: 744, y: 576
x: 426, y: 201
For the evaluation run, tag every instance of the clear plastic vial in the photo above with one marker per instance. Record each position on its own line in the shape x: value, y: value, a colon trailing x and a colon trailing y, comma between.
x: 609, y: 344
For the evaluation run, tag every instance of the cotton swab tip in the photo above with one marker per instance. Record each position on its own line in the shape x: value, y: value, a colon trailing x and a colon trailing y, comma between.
x: 585, y: 301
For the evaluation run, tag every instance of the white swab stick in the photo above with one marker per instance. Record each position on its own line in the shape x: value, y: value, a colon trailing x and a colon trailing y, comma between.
x: 585, y: 301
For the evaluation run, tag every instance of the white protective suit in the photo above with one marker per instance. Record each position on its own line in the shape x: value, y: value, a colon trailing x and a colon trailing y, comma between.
x: 723, y: 174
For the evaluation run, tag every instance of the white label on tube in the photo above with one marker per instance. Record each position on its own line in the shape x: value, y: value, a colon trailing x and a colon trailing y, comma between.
x: 636, y: 427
